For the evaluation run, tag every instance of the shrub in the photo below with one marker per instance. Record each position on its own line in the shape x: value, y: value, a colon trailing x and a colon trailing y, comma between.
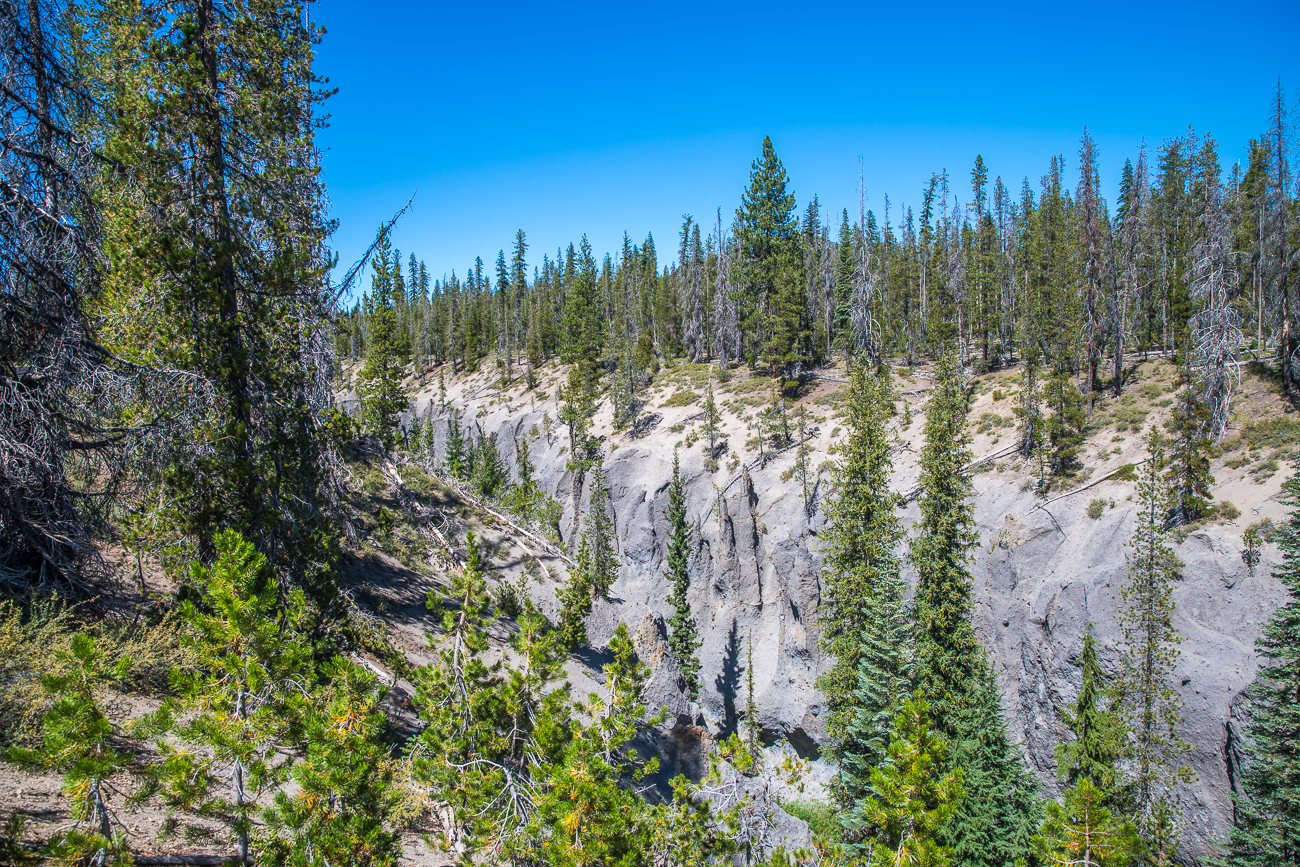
x: 1272, y: 433
x: 1264, y: 470
x: 1228, y: 511
x: 1097, y: 508
x: 1126, y: 473
x: 682, y: 398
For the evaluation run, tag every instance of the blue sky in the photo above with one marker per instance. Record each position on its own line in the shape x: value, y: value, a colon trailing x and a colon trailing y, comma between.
x: 570, y: 118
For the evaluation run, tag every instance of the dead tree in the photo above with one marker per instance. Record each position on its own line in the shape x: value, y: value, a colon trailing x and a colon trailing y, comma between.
x: 66, y: 438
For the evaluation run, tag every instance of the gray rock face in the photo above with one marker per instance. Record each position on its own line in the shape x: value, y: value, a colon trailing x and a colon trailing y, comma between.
x: 1041, y: 575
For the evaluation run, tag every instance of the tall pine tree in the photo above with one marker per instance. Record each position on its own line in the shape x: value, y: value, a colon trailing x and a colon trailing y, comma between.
x: 683, y: 634
x: 1268, y: 807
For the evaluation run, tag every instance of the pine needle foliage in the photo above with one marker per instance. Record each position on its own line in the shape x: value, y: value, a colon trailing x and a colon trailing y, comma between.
x: 683, y: 633
x: 346, y: 782
x: 1267, y: 832
x: 81, y: 743
x: 865, y: 622
x: 994, y: 821
x: 599, y: 532
x: 860, y: 561
x: 243, y: 701
x: 948, y: 653
x: 1155, y: 754
x: 912, y: 794
x: 1098, y: 734
x: 1083, y: 832
x: 383, y: 396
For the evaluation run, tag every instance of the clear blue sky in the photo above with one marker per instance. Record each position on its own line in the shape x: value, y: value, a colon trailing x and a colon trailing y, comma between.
x: 564, y: 119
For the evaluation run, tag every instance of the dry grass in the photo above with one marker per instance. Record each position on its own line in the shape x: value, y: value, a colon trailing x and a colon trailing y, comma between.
x: 35, y: 641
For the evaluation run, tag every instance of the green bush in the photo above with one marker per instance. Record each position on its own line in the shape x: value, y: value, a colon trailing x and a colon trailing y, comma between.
x: 1264, y: 470
x: 1228, y: 511
x: 1097, y: 508
x: 1126, y: 473
x: 682, y: 398
x: 1271, y: 433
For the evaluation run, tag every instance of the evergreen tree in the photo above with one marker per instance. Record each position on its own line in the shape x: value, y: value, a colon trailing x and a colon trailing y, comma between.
x: 599, y: 531
x: 1084, y: 833
x: 1064, y: 426
x: 765, y: 268
x: 802, y: 469
x: 1189, y: 458
x: 346, y: 790
x: 947, y: 652
x: 490, y: 477
x: 220, y: 223
x: 1150, y: 707
x: 459, y: 700
x: 711, y: 429
x: 1098, y: 735
x: 81, y: 743
x: 912, y: 795
x: 575, y: 599
x: 884, y: 679
x: 864, y: 620
x: 526, y: 495
x: 753, y: 731
x: 994, y: 821
x: 683, y: 634
x: 383, y: 398
x: 457, y: 464
x: 1267, y: 831
x: 240, y: 705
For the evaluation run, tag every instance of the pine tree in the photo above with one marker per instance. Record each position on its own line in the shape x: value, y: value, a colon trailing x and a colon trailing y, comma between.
x: 345, y: 782
x: 864, y: 620
x: 383, y: 399
x: 1267, y: 832
x: 1189, y: 458
x: 583, y: 816
x: 912, y: 795
x: 599, y: 531
x: 490, y: 477
x: 711, y: 429
x: 455, y: 455
x: 947, y: 652
x: 1084, y: 833
x: 884, y: 680
x: 81, y: 743
x: 1150, y: 707
x: 239, y: 705
x: 525, y: 496
x: 753, y: 731
x: 221, y: 222
x: 683, y: 634
x: 1064, y: 426
x: 459, y: 701
x: 1098, y: 735
x: 575, y: 599
x: 994, y: 821
x: 767, y: 241
x: 802, y: 469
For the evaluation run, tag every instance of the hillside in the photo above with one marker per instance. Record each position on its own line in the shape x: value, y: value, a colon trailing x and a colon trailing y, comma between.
x: 1045, y: 567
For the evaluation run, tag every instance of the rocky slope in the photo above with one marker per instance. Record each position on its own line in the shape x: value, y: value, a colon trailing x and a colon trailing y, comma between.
x: 1043, y: 570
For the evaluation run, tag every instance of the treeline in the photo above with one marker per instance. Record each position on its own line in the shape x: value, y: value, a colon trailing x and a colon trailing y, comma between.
x: 1190, y: 259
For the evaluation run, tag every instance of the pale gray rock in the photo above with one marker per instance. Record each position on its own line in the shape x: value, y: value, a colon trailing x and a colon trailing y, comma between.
x: 1041, y: 576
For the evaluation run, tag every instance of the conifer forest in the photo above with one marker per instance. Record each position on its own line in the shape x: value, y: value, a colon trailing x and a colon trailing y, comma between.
x: 962, y: 532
